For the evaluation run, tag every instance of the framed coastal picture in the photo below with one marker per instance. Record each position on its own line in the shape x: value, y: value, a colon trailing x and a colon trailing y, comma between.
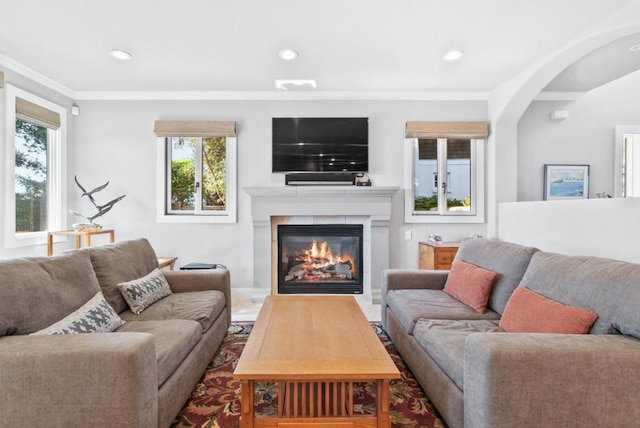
x: 566, y: 182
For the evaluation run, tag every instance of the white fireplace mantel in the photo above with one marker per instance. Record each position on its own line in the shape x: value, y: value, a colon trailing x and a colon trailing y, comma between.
x: 369, y: 205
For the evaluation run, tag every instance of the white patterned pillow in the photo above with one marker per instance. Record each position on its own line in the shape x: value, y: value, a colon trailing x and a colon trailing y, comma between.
x: 95, y: 316
x: 143, y: 292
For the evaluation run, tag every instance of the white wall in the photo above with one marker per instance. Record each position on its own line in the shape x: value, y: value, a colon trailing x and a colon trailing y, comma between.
x: 115, y: 142
x: 594, y: 227
x: 586, y: 137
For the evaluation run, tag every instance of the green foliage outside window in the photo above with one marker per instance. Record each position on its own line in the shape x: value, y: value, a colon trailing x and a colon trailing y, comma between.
x: 183, y: 184
x: 214, y: 175
x: 31, y: 177
x: 430, y: 203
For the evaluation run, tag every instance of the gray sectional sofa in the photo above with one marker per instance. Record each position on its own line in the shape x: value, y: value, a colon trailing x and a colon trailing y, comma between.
x: 478, y: 375
x: 138, y: 376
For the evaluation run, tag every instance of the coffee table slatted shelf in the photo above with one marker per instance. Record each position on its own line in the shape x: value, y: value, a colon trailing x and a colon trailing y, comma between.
x: 315, y: 348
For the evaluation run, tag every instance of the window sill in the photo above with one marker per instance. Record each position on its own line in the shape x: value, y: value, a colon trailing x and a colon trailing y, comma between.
x: 441, y: 219
x: 194, y: 219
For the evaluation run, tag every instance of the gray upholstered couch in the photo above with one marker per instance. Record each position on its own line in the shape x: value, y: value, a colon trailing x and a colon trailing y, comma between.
x: 477, y: 375
x: 138, y: 376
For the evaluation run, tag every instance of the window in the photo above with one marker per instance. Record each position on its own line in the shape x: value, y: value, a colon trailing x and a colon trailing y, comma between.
x: 444, y: 173
x: 197, y: 167
x: 35, y: 193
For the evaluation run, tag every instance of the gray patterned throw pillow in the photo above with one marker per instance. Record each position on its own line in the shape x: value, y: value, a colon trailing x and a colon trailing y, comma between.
x: 95, y: 316
x: 143, y: 292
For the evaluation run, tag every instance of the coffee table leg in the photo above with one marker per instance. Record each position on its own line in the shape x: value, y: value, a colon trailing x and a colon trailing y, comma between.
x: 383, y: 403
x: 246, y: 418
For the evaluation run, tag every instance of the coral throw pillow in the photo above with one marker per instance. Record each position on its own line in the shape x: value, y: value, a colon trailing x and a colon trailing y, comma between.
x: 470, y: 284
x: 529, y: 312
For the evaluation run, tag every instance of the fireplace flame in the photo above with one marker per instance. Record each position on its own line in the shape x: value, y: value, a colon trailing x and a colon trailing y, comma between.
x: 319, y: 256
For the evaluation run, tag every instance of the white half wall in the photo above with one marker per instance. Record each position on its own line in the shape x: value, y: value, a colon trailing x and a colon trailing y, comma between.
x: 588, y: 227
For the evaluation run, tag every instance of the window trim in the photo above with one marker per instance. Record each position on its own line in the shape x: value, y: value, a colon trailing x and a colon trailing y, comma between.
x: 443, y: 216
x: 163, y: 172
x: 56, y: 164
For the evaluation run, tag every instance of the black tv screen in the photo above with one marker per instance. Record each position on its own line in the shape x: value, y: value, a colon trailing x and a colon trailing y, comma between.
x: 305, y: 144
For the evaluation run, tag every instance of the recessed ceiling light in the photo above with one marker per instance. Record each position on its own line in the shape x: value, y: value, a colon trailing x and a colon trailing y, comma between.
x: 120, y: 54
x: 288, y: 54
x: 635, y: 48
x: 453, y: 55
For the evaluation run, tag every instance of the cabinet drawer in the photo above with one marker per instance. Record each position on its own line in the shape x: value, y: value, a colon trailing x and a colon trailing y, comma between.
x: 437, y: 255
x: 444, y: 257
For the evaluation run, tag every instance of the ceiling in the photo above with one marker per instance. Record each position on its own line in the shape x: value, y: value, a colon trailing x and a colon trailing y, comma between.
x: 345, y: 45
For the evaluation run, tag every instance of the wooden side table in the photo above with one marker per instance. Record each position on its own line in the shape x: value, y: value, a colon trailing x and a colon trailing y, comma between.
x: 78, y: 234
x: 166, y: 262
x: 437, y: 255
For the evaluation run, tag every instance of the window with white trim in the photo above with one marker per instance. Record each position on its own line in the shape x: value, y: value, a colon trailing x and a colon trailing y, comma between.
x: 35, y: 181
x: 444, y: 173
x: 196, y: 171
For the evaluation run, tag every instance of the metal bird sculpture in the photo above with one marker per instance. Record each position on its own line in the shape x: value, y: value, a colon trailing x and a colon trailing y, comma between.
x: 102, y: 209
x: 90, y: 194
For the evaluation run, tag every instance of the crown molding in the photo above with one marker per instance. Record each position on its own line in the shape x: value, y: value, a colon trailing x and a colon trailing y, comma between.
x: 29, y: 73
x: 286, y: 96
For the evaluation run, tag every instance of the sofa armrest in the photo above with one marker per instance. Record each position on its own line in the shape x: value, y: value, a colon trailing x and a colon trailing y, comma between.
x: 198, y: 280
x: 79, y: 380
x: 398, y: 279
x: 551, y: 380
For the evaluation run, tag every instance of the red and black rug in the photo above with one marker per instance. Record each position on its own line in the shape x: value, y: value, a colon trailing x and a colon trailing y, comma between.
x: 215, y: 402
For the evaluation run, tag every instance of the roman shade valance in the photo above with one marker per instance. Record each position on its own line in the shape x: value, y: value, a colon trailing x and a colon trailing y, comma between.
x: 194, y: 128
x: 477, y: 130
x: 34, y: 113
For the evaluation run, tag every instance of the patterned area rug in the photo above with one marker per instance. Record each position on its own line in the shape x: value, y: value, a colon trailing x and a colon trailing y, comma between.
x: 216, y: 400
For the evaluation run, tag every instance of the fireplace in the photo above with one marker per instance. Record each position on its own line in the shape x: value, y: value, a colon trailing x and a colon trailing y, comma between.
x: 320, y: 259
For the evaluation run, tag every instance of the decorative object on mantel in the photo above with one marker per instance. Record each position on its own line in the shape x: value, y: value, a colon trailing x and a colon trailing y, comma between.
x: 102, y: 209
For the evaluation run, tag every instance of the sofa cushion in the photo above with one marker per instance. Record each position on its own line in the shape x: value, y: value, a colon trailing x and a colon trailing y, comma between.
x: 610, y: 288
x: 410, y: 305
x: 470, y: 284
x: 143, y: 292
x: 121, y: 262
x: 174, y: 340
x: 95, y: 316
x: 201, y: 306
x: 36, y: 292
x: 444, y: 341
x: 508, y: 260
x: 529, y: 312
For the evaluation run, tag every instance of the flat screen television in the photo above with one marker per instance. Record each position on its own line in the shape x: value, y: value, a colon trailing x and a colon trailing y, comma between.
x: 320, y: 144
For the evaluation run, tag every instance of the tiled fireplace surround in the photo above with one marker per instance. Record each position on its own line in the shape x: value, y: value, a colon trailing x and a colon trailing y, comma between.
x: 271, y: 206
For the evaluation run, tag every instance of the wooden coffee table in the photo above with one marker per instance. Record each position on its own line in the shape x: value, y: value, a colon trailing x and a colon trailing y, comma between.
x: 315, y: 348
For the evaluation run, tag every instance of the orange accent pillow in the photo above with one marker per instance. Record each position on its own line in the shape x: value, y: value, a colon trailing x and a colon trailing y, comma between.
x: 470, y: 284
x: 529, y: 312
